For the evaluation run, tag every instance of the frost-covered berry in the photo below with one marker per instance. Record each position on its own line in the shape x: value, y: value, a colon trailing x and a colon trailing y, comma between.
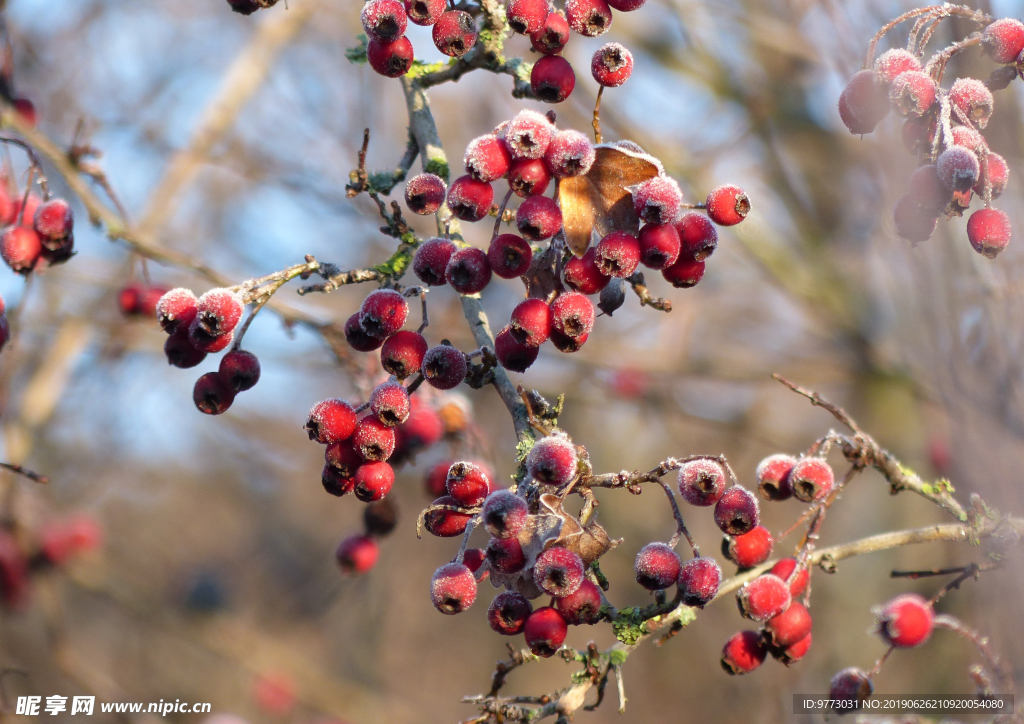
x: 528, y: 134
x: 512, y: 355
x: 618, y: 254
x: 373, y: 440
x: 505, y: 514
x: 581, y: 274
x: 928, y: 190
x: 528, y: 177
x: 467, y: 483
x: 750, y: 549
x: 218, y: 312
x: 995, y: 172
x: 331, y: 421
x: 565, y: 343
x: 552, y: 460
x: 558, y: 571
x: 505, y: 555
x: 570, y: 153
x: 736, y: 511
x: 850, y: 685
x: 1003, y: 40
x: 790, y: 626
x: 468, y: 270
x: 912, y: 222
x: 424, y: 12
x: 581, y: 607
x: 384, y: 20
x: 383, y: 313
x: 487, y: 158
x: 728, y: 205
x: 744, y: 652
x: 906, y: 621
x: 531, y: 322
x: 989, y: 231
x: 784, y: 570
x: 656, y: 201
x: 509, y: 256
x: 973, y: 100
x: 863, y: 103
x: 698, y: 582
x: 469, y: 199
x: 241, y: 369
x: 702, y: 482
x: 390, y: 403
x: 890, y: 64
x: 431, y: 259
x: 552, y: 78
x: 391, y: 60
x: 611, y: 65
x: 657, y: 566
x: 572, y: 314
x: 553, y: 35
x: 588, y: 17
x: 545, y: 631
x: 336, y: 482
x: 425, y: 193
x: 402, y: 353
x: 958, y: 168
x: 444, y: 367
x: 508, y: 612
x: 811, y: 479
x: 454, y: 33
x: 446, y: 523
x: 685, y: 273
x: 538, y: 218
x: 357, y: 337
x: 698, y: 237
x: 357, y: 554
x: 773, y: 476
x: 213, y: 394
x: 659, y: 245
x: 453, y: 588
x: 373, y: 481
x: 913, y: 93
x: 176, y: 310
x: 526, y: 16
x: 53, y: 219
x: 970, y: 139
x: 342, y: 458
x: 764, y: 597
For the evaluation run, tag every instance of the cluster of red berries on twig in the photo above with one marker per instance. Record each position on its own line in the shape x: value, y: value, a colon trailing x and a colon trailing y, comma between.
x: 38, y: 233
x: 140, y: 300
x: 943, y: 125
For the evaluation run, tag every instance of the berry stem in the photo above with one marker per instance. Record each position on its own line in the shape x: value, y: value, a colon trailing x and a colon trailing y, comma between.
x: 35, y: 165
x: 596, y: 123
x: 25, y: 472
x: 681, y: 530
x: 501, y: 214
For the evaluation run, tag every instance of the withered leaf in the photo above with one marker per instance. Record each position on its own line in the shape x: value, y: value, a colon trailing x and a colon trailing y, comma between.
x: 600, y: 201
x: 589, y: 542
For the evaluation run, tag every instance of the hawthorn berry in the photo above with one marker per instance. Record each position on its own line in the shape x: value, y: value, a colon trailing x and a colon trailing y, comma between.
x: 176, y: 310
x: 657, y: 200
x: 505, y: 514
x: 685, y: 273
x: 446, y: 523
x: 928, y: 191
x: 794, y: 652
x: 128, y: 299
x: 383, y: 313
x: 552, y: 460
x: 553, y: 34
x: 618, y: 254
x: 784, y: 570
x: 552, y: 78
x: 487, y: 158
x: 698, y: 581
x: 890, y: 64
x: 528, y: 177
x: 570, y: 153
x: 526, y: 16
x: 969, y: 138
x: 611, y: 65
x: 750, y: 549
x: 512, y: 355
x: 423, y: 428
x: 538, y: 218
x: 528, y: 135
x: 372, y: 481
x: 565, y: 343
x: 626, y: 5
x: 218, y: 312
x: 336, y: 482
x: 906, y: 621
x: 913, y: 93
x: 444, y: 367
x: 384, y: 20
x: 469, y: 199
x: 545, y: 631
x: 736, y: 511
x: 373, y: 440
x: 531, y: 322
x: 148, y: 299
x: 205, y: 342
x: 989, y: 231
x: 331, y: 421
x: 572, y: 314
x: 20, y: 248
x: 24, y: 213
x: 702, y: 482
x: 728, y: 205
x: 380, y: 518
x: 454, y: 33
x: 912, y: 222
x: 424, y: 12
x: 402, y: 354
x: 850, y: 685
x: 612, y: 297
x: 509, y: 256
x: 994, y: 172
x: 453, y: 588
x: 581, y: 274
x: 431, y: 259
x: 764, y: 597
x: 508, y: 612
x: 53, y: 219
x: 241, y: 369
x: 971, y: 101
x: 467, y: 483
x: 213, y: 394
x: 581, y: 607
x: 958, y: 168
x: 1003, y: 40
x: 436, y: 479
x: 588, y: 17
x: 558, y: 571
x: 659, y: 245
x: 357, y: 554
x: 698, y: 237
x: 789, y: 627
x: 863, y: 103
x: 390, y: 403
x: 744, y: 652
x: 357, y: 337
x: 473, y: 559
x: 391, y: 60
x: 425, y: 193
x: 468, y: 270
x: 505, y: 555
x: 657, y: 566
x: 811, y: 479
x: 181, y: 352
x: 343, y: 458
x: 773, y: 476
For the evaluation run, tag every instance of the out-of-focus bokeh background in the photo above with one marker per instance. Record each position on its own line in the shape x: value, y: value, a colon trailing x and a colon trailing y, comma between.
x: 216, y: 580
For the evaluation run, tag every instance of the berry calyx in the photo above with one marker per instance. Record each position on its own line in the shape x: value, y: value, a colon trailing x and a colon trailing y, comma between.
x: 989, y: 230
x: 467, y: 484
x: 552, y: 78
x: 336, y: 483
x: 373, y: 440
x: 789, y: 627
x: 764, y: 597
x: 512, y: 355
x: 552, y: 460
x: 444, y: 367
x: 392, y: 59
x: 618, y: 254
x: 538, y: 218
x: 431, y: 259
x: 728, y: 205
x: 906, y: 621
x: 218, y: 312
x: 736, y: 511
x: 558, y: 571
x: 572, y: 314
x: 505, y: 514
x: 468, y: 270
x: 373, y: 481
x: 582, y: 274
x: 357, y: 554
x: 750, y: 549
x: 531, y: 322
x: 453, y: 588
x: 545, y: 631
x: 958, y: 168
x: 508, y: 612
x: 509, y: 256
x: 402, y: 353
x: 487, y: 158
x: 241, y: 369
x: 581, y: 607
x: 611, y: 65
x: 698, y: 582
x: 331, y: 421
x: 773, y: 476
x: 454, y: 33
x: 811, y: 479
x: 744, y: 652
x: 425, y: 193
x: 657, y: 566
x: 702, y: 482
x: 213, y: 394
x: 390, y: 403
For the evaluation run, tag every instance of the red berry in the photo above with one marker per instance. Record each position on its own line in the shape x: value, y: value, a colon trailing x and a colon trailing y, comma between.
x: 565, y: 343
x: 505, y: 514
x: 373, y: 440
x: 444, y: 367
x: 972, y: 101
x: 728, y: 205
x: 431, y: 259
x: 423, y: 428
x: 698, y: 237
x: 473, y: 558
x: 26, y: 109
x: 736, y: 511
x: 528, y: 135
x: 331, y: 421
x: 390, y: 403
x: 176, y: 310
x: 402, y: 354
x: 509, y: 256
x: 380, y: 518
x: 906, y: 621
x: 201, y: 340
x: 657, y: 566
x: 1003, y: 40
x: 357, y: 554
x: 545, y: 631
x: 391, y: 60
x: 811, y: 479
x: 538, y: 218
x: 890, y: 64
x: 913, y: 93
x: 588, y: 17
x: 241, y: 369
x: 383, y: 313
x: 425, y: 193
x: 384, y: 20
x: 657, y: 200
x: 453, y: 588
x: 793, y: 653
x: 128, y: 300
x: 218, y: 312
x: 611, y: 65
x: 618, y: 254
x: 213, y: 394
x: 467, y: 484
x: 582, y: 274
x: 570, y: 153
x: 698, y: 582
x: 335, y: 482
x: 373, y: 481
x: 744, y: 652
x: 446, y: 523
x: 512, y: 355
x: 583, y: 606
x: 553, y: 35
x: 572, y: 314
x: 773, y: 477
x: 54, y: 219
x: 928, y: 191
x: 454, y: 33
x: 528, y: 177
x: 552, y: 460
x: 469, y: 199
x: 784, y: 570
x: 531, y: 322
x: 789, y: 627
x: 850, y: 685
x: 63, y: 539
x: 659, y: 245
x: 750, y: 549
x: 526, y: 16
x: 357, y: 337
x: 989, y: 231
x: 508, y: 612
x: 424, y: 12
x: 764, y: 597
x: 626, y: 5
x: 25, y: 214
x: 181, y: 352
x: 468, y: 270
x: 912, y: 222
x: 437, y: 479
x: 702, y: 482
x: 552, y: 78
x: 958, y: 168
x: 997, y: 173
x: 684, y: 273
x: 558, y: 571
x: 863, y: 103
x: 487, y: 158
x: 148, y: 299
x: 20, y: 248
x: 342, y: 458
x: 505, y: 555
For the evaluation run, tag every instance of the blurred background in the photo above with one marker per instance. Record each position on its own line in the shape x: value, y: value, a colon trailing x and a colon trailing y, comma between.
x: 216, y: 579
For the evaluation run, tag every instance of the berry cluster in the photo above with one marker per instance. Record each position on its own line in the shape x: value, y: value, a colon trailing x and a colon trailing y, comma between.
x: 942, y: 126
x: 38, y: 233
x: 140, y: 300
